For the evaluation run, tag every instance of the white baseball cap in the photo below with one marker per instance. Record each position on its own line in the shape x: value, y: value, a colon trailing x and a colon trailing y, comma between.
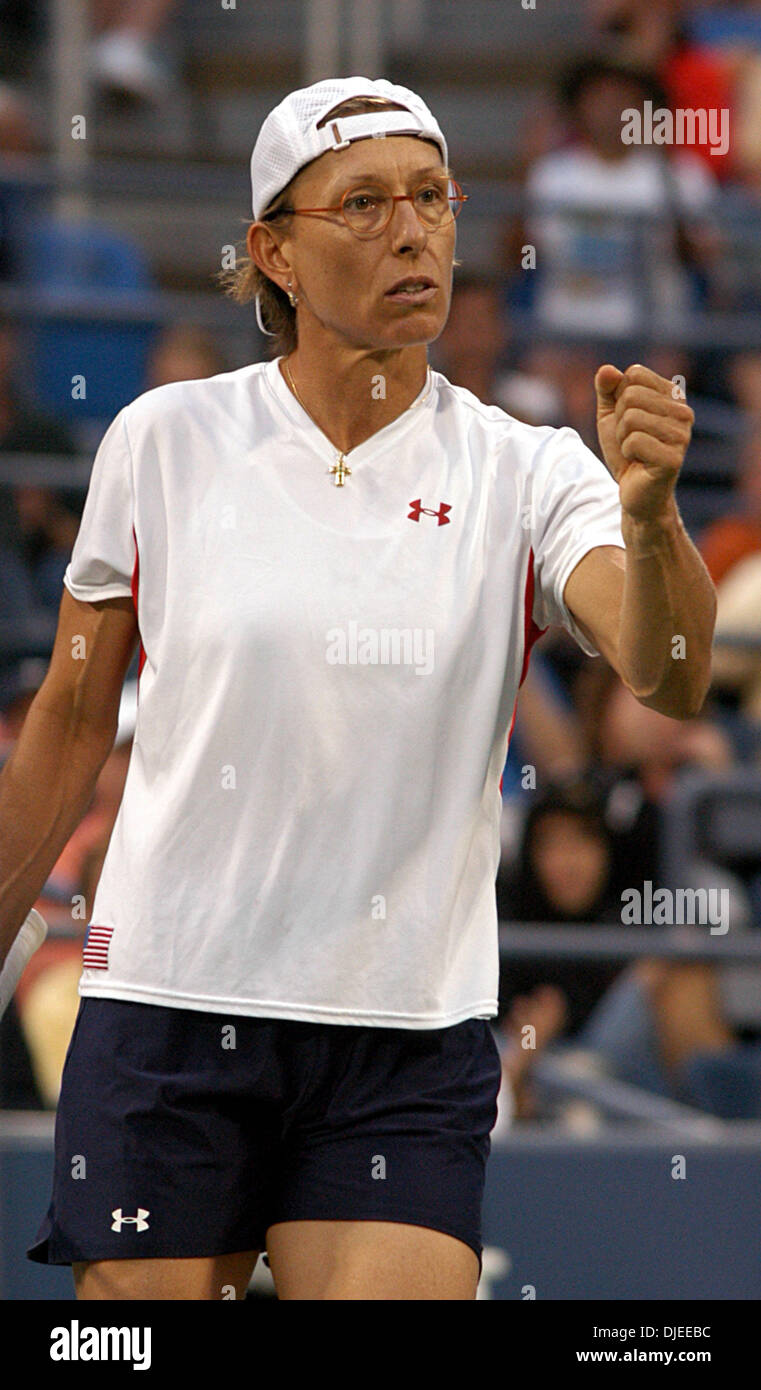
x: 289, y: 137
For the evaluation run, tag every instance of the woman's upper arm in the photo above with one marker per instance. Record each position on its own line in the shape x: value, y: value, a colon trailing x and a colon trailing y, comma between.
x: 94, y: 645
x: 593, y: 595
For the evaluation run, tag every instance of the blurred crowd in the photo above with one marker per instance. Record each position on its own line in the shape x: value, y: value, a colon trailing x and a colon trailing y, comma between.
x: 610, y: 239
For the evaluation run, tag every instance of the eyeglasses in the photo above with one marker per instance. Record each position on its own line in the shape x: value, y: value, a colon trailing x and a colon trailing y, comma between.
x: 367, y: 210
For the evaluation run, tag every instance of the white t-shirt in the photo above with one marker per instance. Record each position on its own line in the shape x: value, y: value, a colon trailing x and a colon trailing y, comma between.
x: 310, y: 822
x: 587, y: 246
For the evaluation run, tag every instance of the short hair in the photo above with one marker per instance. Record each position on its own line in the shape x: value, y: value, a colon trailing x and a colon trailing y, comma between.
x: 585, y: 72
x: 245, y: 280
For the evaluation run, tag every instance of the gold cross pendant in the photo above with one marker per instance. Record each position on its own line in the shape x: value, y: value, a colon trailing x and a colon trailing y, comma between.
x: 340, y: 470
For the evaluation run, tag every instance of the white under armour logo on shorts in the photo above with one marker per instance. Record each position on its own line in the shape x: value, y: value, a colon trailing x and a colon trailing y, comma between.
x: 139, y: 1221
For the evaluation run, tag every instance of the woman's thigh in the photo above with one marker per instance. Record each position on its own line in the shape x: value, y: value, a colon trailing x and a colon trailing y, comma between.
x: 369, y: 1260
x: 381, y: 1185
x: 208, y: 1278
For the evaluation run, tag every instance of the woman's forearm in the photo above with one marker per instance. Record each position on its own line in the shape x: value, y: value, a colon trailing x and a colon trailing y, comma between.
x: 46, y: 786
x: 667, y: 616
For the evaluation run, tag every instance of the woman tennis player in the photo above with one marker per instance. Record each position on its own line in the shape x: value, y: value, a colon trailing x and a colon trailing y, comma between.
x: 335, y: 563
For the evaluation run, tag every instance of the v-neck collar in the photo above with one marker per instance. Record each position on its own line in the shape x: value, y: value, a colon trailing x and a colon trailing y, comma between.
x: 376, y: 443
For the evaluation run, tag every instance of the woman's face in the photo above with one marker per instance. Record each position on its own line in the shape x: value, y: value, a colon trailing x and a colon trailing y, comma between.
x: 570, y: 861
x: 343, y: 281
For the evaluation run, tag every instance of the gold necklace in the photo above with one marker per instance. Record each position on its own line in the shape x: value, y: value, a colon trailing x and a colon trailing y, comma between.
x: 339, y: 468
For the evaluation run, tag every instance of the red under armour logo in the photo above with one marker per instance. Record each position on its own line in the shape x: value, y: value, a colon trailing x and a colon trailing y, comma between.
x: 417, y: 508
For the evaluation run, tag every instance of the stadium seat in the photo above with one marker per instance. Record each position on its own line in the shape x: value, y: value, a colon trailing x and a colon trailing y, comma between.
x: 727, y: 1084
x: 61, y: 257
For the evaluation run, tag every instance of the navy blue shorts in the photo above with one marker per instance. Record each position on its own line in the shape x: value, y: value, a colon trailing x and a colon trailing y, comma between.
x: 171, y: 1142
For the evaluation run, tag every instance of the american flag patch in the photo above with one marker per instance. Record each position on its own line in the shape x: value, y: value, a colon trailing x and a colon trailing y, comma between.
x: 95, y: 951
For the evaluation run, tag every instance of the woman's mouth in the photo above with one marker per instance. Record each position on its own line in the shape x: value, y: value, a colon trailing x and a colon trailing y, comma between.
x: 412, y: 290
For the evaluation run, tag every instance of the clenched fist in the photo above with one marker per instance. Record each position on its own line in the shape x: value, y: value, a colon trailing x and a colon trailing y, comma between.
x: 644, y: 427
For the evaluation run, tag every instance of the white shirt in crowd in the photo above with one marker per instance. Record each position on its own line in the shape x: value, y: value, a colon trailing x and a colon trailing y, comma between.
x: 592, y: 261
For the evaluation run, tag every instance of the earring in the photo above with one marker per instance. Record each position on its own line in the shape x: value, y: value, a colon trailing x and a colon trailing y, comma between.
x: 291, y: 296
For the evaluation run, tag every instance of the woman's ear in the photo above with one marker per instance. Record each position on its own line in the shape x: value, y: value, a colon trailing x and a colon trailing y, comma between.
x: 266, y: 253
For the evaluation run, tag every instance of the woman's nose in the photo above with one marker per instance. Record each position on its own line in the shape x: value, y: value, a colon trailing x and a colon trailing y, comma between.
x: 405, y: 224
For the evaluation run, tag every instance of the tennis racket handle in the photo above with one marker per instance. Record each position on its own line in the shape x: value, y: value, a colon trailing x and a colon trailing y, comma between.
x: 30, y: 935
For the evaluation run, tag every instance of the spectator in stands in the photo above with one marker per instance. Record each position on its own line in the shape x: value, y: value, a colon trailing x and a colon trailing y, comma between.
x: 732, y: 33
x: 595, y: 272
x: 645, y: 1022
x: 632, y: 31
x: 695, y: 75
x: 183, y: 353
x: 563, y: 873
x: 707, y: 57
x: 639, y: 752
x: 125, y: 57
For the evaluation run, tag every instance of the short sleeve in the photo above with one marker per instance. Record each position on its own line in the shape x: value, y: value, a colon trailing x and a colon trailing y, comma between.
x: 103, y: 558
x: 575, y: 507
